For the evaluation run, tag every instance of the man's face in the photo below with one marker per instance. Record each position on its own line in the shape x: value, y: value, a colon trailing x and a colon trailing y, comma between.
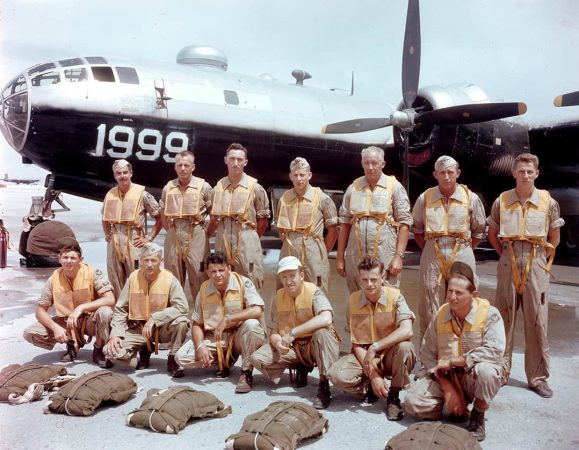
x: 292, y: 281
x: 371, y: 282
x: 447, y: 177
x: 219, y: 275
x: 525, y: 174
x: 458, y: 296
x: 70, y: 262
x: 184, y: 167
x: 151, y: 265
x: 372, y: 165
x: 235, y: 162
x: 123, y: 176
x: 300, y: 179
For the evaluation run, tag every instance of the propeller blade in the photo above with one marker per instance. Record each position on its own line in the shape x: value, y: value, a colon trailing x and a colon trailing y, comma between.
x: 570, y: 99
x: 356, y: 126
x: 411, y: 54
x: 471, y: 113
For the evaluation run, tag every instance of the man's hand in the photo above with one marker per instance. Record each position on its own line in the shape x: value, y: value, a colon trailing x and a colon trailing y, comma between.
x: 395, y: 266
x: 379, y: 386
x: 287, y: 341
x: 60, y: 335
x: 341, y: 267
x: 443, y: 365
x: 281, y: 348
x: 140, y: 241
x: 72, y: 321
x: 147, y: 332
x: 203, y: 355
x: 113, y: 347
x: 367, y: 363
x: 220, y: 328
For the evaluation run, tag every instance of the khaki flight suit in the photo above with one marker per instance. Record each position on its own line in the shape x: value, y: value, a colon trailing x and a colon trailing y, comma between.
x: 482, y: 340
x: 374, y: 215
x: 127, y: 217
x: 88, y: 285
x: 321, y: 348
x: 543, y: 215
x: 450, y: 228
x: 237, y: 209
x: 368, y: 325
x: 301, y: 220
x: 186, y: 244
x: 209, y: 309
x: 163, y: 300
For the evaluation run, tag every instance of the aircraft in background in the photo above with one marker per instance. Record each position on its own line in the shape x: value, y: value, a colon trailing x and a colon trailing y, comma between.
x: 20, y: 180
x: 75, y: 116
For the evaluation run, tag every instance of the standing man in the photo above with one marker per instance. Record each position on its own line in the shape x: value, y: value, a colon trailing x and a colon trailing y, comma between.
x: 302, y: 214
x: 375, y: 221
x: 83, y: 299
x: 227, y: 321
x: 449, y: 222
x: 152, y: 307
x: 524, y: 229
x: 381, y: 333
x: 124, y: 220
x: 301, y: 332
x: 461, y: 355
x: 185, y: 203
x: 240, y: 214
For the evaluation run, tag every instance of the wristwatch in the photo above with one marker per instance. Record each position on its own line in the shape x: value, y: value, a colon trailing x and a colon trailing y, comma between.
x: 401, y: 255
x: 292, y: 334
x: 374, y: 346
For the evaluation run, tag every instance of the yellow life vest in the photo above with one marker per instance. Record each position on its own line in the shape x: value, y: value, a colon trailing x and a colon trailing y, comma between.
x: 369, y: 323
x: 215, y: 308
x: 145, y: 299
x: 450, y: 220
x: 125, y: 209
x: 519, y: 223
x: 66, y: 297
x: 298, y: 214
x: 291, y: 313
x: 368, y: 202
x: 184, y: 204
x: 233, y: 202
x: 453, y: 342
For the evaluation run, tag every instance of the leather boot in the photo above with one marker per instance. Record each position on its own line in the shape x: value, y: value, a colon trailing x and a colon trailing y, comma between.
x: 393, y: 408
x: 245, y: 382
x: 144, y: 358
x: 324, y: 397
x: 476, y: 426
x: 99, y: 358
x: 301, y: 377
x: 173, y: 368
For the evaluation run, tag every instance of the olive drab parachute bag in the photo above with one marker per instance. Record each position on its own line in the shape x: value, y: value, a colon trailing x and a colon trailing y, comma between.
x: 169, y: 410
x: 24, y: 383
x: 433, y: 436
x: 280, y: 426
x: 83, y: 395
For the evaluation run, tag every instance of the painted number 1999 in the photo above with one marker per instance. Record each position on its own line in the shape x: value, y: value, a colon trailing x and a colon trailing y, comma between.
x: 149, y: 143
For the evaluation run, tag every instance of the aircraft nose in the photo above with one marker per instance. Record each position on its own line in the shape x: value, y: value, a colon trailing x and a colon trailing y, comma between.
x: 15, y: 115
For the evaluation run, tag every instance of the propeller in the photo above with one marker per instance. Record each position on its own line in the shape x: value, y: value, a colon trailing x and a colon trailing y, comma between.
x: 570, y: 99
x: 409, y: 119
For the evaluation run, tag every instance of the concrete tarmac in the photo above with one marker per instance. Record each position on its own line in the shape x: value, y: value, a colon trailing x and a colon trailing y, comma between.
x: 517, y: 419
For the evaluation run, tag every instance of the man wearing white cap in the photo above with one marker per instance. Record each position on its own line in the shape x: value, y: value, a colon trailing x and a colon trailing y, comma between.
x: 152, y: 307
x: 124, y: 221
x: 227, y: 323
x: 449, y: 222
x: 301, y: 332
x: 302, y: 214
x: 185, y: 203
x: 375, y: 221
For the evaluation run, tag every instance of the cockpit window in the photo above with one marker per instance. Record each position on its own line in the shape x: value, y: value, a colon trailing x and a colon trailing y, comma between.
x: 71, y: 62
x: 127, y: 75
x: 96, y: 60
x: 75, y: 75
x: 17, y: 85
x: 47, y: 78
x: 103, y: 73
x: 41, y: 68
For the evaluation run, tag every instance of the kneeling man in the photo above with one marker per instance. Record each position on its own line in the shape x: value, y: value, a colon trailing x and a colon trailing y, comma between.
x: 381, y: 333
x: 83, y: 299
x: 226, y: 323
x: 462, y: 352
x: 152, y: 306
x: 301, y: 332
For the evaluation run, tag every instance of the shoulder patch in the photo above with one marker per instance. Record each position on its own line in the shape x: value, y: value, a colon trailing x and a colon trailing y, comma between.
x: 494, y: 318
x: 98, y: 272
x: 248, y: 283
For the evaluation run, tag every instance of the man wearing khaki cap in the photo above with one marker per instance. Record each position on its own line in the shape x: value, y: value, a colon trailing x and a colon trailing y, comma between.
x: 124, y: 222
x: 83, y: 299
x: 462, y: 356
x: 449, y: 222
x: 301, y: 332
x: 151, y: 310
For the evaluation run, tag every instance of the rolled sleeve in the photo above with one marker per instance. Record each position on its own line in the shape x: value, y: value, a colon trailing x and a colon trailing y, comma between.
x: 329, y: 211
x: 261, y: 204
x: 250, y: 295
x: 403, y: 311
x: 151, y: 204
x: 345, y: 216
x: 401, y: 205
x: 418, y: 215
x: 45, y: 300
x: 554, y: 211
x: 101, y: 283
x: 477, y: 217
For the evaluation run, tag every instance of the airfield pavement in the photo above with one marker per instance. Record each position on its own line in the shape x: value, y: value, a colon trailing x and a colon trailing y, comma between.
x: 517, y: 419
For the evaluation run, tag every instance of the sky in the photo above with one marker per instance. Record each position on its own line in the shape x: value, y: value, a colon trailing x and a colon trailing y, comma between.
x: 515, y: 50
